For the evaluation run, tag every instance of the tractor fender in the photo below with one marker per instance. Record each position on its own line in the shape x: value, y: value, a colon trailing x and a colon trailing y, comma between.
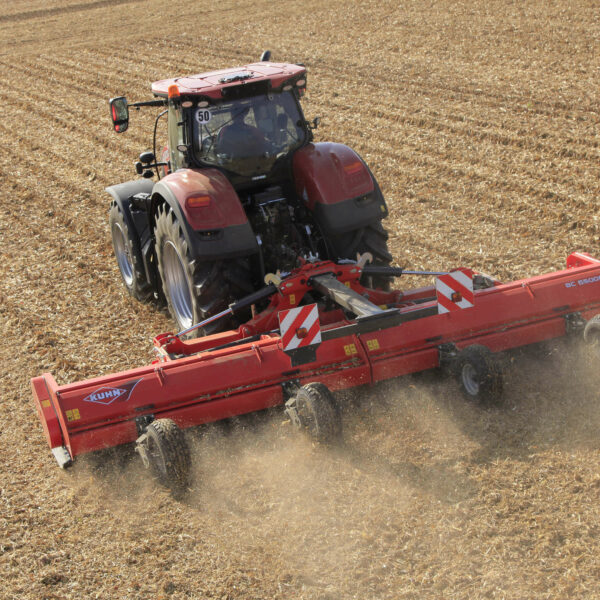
x: 122, y: 194
x: 209, y: 212
x: 338, y: 187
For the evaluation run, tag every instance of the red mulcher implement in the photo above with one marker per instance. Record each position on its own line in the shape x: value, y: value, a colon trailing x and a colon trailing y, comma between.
x: 243, y: 190
x: 322, y: 331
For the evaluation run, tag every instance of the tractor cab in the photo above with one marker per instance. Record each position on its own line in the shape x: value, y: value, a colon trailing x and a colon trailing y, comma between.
x: 248, y: 136
x: 242, y: 121
x: 241, y: 191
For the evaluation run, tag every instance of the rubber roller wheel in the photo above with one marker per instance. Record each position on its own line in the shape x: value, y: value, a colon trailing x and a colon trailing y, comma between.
x: 317, y: 413
x: 591, y: 335
x: 166, y: 454
x: 480, y: 375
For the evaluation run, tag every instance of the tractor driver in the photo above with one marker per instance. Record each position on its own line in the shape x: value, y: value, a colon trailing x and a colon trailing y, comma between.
x: 240, y: 140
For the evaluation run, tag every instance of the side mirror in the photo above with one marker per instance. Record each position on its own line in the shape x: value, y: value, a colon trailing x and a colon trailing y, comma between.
x: 265, y: 56
x: 119, y: 112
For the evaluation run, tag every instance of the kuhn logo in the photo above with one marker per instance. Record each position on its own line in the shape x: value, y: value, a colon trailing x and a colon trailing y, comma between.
x: 105, y: 395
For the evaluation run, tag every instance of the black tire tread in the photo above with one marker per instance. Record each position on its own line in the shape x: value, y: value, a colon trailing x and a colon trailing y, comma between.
x: 176, y: 452
x: 318, y: 412
x: 371, y: 238
x: 214, y: 284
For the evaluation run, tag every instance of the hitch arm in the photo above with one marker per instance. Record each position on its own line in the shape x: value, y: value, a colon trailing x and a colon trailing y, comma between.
x: 261, y: 294
x: 396, y: 271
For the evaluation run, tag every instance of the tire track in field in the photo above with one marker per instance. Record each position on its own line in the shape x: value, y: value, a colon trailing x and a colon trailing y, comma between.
x: 434, y: 160
x: 494, y: 137
x: 518, y: 105
x: 533, y: 150
x: 476, y: 154
x: 80, y: 117
x: 69, y: 158
x: 63, y: 10
x: 518, y: 132
x: 515, y: 139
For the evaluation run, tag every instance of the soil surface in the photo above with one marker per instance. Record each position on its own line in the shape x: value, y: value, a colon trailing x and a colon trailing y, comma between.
x: 480, y: 120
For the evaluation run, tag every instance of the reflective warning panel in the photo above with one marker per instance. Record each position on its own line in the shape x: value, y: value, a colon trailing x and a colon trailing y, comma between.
x: 454, y: 290
x: 300, y: 327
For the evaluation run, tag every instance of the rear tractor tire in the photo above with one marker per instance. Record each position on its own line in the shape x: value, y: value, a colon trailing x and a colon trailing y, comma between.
x: 194, y: 289
x: 166, y: 454
x: 373, y: 239
x: 480, y: 375
x: 314, y: 410
x: 129, y: 255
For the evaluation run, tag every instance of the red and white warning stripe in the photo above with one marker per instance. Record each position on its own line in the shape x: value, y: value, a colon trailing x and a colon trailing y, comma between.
x: 300, y: 327
x: 454, y: 291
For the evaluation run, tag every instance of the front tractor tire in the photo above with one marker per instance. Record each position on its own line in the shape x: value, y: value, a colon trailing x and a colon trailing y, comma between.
x: 129, y: 255
x: 195, y: 289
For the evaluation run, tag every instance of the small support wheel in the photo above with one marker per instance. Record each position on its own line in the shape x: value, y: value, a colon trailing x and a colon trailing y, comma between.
x: 165, y: 452
x: 480, y: 374
x: 314, y: 410
x: 591, y: 335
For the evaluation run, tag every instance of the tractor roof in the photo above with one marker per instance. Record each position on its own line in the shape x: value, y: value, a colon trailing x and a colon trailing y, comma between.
x: 211, y: 84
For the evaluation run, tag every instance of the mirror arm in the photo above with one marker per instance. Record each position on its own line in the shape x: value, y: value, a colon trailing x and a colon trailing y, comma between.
x: 149, y: 103
x: 140, y: 168
x: 164, y: 112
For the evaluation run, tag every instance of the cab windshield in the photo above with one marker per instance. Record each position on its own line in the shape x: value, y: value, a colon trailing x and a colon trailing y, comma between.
x: 247, y: 136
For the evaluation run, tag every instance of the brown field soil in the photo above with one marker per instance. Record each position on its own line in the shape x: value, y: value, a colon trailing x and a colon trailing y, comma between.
x: 481, y: 121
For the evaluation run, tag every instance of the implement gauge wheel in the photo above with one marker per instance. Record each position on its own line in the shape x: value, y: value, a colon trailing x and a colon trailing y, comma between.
x: 316, y: 413
x: 591, y: 335
x: 129, y: 255
x: 480, y: 374
x: 165, y: 452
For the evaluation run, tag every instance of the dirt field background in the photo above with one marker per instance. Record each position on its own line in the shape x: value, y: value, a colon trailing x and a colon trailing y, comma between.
x: 481, y: 121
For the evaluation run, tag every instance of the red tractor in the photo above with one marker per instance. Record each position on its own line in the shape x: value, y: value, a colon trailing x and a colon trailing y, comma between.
x: 241, y: 190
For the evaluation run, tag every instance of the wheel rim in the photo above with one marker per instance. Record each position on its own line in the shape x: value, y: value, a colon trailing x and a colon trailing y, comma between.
x: 122, y: 254
x: 469, y: 379
x: 156, y: 459
x: 177, y: 285
x: 308, y: 418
